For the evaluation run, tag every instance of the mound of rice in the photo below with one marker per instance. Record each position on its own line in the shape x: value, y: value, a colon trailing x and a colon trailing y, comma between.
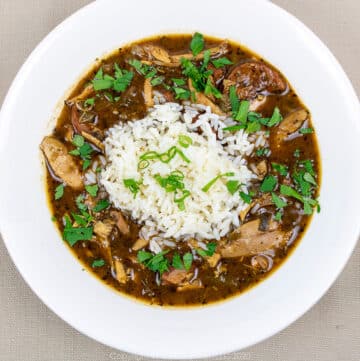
x: 207, y: 215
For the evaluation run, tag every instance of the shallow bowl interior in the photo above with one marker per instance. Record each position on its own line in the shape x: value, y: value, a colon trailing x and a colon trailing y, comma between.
x: 85, y: 303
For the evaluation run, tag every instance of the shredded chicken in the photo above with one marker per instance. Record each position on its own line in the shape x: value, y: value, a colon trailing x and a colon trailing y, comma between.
x: 61, y: 162
x: 121, y: 223
x: 248, y: 239
x: 149, y: 102
x: 87, y: 92
x: 140, y: 243
x: 120, y: 271
x: 103, y: 228
x: 290, y: 124
x: 174, y: 277
x: 213, y: 260
x: 93, y: 140
x: 189, y: 286
x: 203, y: 99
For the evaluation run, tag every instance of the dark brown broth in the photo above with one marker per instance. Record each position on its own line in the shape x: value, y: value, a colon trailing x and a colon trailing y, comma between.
x: 240, y: 275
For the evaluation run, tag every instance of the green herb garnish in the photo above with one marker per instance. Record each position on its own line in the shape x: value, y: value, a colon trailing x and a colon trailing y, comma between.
x: 155, y: 262
x: 280, y: 168
x: 276, y: 118
x: 197, y: 43
x: 133, y: 185
x: 221, y: 62
x: 232, y: 186
x: 83, y: 150
x: 268, y: 184
x: 59, y: 191
x: 101, y: 205
x: 210, y: 250
x: 306, y: 130
x: 279, y: 202
x: 89, y: 102
x: 98, y: 263
x: 181, y: 93
x: 157, y: 80
x: 92, y: 189
x: 121, y: 80
x: 246, y: 197
x: 214, y: 180
x: 74, y: 234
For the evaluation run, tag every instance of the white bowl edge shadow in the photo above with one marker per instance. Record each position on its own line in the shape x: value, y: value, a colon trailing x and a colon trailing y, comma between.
x: 352, y: 105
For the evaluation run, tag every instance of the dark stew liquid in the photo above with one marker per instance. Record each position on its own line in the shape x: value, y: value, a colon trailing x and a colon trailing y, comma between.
x: 292, y: 159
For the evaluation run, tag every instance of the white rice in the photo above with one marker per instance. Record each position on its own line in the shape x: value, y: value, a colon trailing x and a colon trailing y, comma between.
x: 207, y: 215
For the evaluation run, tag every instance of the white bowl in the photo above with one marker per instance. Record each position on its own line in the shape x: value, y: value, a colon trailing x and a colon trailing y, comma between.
x: 94, y: 309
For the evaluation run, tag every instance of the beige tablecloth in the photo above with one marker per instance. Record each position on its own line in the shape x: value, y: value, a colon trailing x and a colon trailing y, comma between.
x: 330, y: 331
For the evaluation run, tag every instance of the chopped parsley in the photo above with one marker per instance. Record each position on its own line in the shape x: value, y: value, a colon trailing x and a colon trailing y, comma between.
x: 83, y: 150
x: 178, y: 81
x: 221, y: 62
x: 197, y: 44
x: 261, y: 152
x: 79, y: 200
x: 101, y: 205
x: 278, y: 216
x: 232, y: 186
x: 210, y: 250
x: 246, y: 197
x: 92, y: 189
x: 89, y: 102
x: 59, y: 191
x: 157, y: 80
x: 184, y: 263
x: 280, y: 168
x: 133, y: 185
x: 74, y: 234
x: 275, y: 119
x: 154, y: 262
x: 306, y: 130
x: 297, y: 153
x: 268, y: 184
x: 119, y: 82
x: 98, y: 263
x: 279, y: 202
x: 181, y: 93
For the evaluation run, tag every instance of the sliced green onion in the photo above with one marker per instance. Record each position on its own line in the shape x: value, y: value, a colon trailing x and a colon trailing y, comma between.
x: 185, y: 141
x: 214, y: 180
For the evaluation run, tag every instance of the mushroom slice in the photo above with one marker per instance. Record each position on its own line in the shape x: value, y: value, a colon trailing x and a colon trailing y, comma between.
x: 139, y: 243
x: 120, y: 271
x: 290, y: 124
x: 248, y: 240
x: 121, y: 223
x: 61, y: 162
x: 149, y: 101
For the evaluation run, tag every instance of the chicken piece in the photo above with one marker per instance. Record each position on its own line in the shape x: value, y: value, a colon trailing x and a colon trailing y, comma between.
x: 149, y: 101
x: 93, y: 140
x: 215, y: 52
x: 256, y: 103
x: 87, y: 92
x: 120, y: 271
x: 190, y: 286
x: 121, y: 223
x: 213, y: 260
x: 104, y: 228
x: 139, y: 243
x: 261, y: 169
x: 253, y: 77
x: 290, y: 124
x: 248, y: 239
x: 217, y: 75
x: 157, y: 55
x: 87, y: 130
x: 61, y: 162
x: 174, y: 276
x: 203, y: 99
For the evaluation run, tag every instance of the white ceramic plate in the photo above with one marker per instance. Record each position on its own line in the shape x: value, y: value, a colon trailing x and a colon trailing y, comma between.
x: 84, y: 302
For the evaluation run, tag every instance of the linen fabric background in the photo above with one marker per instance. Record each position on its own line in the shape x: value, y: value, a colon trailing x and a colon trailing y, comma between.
x: 29, y: 331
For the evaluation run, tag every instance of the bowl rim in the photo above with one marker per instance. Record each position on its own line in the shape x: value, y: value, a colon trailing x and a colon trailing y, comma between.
x: 7, y: 103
